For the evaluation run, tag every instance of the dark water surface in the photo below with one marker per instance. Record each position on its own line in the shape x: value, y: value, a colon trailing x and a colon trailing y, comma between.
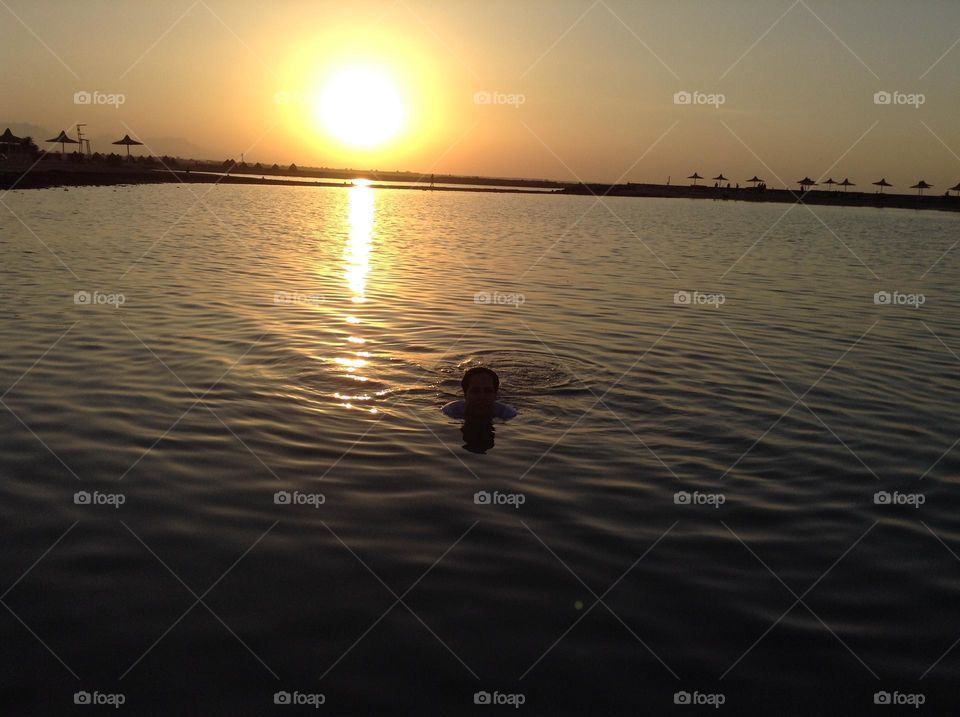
x: 302, y: 340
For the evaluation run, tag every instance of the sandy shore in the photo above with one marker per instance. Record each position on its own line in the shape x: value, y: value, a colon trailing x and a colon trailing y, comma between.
x: 50, y: 178
x: 45, y: 178
x: 748, y: 194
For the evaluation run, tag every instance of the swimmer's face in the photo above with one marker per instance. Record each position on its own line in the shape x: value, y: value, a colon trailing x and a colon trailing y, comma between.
x: 480, y: 393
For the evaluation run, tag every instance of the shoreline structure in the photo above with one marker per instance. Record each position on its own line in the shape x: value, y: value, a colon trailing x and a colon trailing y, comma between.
x: 65, y: 175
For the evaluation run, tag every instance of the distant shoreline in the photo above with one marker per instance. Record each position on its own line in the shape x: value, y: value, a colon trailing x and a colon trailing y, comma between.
x: 749, y: 194
x: 54, y: 178
x: 49, y: 178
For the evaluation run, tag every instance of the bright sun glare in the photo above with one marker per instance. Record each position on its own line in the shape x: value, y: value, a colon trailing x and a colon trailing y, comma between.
x: 361, y: 107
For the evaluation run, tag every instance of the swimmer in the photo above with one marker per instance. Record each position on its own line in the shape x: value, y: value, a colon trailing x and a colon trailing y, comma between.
x: 480, y: 386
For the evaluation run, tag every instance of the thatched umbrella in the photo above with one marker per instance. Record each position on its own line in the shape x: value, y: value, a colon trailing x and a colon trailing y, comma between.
x: 127, y: 141
x: 754, y: 180
x: 806, y: 182
x: 720, y: 178
x: 956, y: 188
x: 7, y: 138
x: 882, y: 183
x: 63, y: 140
x: 830, y: 182
x: 846, y: 183
x: 920, y: 186
x: 694, y: 177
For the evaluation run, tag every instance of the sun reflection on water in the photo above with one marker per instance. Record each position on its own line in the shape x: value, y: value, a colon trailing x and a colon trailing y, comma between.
x: 356, y: 254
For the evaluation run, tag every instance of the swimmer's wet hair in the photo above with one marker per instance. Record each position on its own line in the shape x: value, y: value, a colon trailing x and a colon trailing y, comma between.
x: 465, y: 381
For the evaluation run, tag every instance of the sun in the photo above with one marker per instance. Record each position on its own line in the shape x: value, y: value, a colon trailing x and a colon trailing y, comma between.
x: 361, y: 107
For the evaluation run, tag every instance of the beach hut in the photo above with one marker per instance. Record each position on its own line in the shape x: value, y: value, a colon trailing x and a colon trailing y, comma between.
x: 694, y: 177
x: 63, y: 140
x: 754, y: 180
x: 920, y: 186
x: 830, y: 183
x: 882, y: 183
x: 806, y: 183
x: 846, y: 183
x: 127, y: 141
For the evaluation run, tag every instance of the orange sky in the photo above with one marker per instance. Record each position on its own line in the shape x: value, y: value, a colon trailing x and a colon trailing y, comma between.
x: 544, y: 88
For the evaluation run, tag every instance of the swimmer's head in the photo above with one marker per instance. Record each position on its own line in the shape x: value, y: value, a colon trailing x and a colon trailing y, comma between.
x: 480, y: 385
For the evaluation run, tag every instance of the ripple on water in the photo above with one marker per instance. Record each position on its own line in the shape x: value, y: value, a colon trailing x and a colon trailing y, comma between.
x: 337, y: 392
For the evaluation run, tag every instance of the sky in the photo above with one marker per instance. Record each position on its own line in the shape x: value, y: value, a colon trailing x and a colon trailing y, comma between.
x: 578, y: 90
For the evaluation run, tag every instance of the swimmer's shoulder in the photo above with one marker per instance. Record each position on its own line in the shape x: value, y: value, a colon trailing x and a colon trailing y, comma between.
x: 457, y: 409
x: 454, y: 409
x: 505, y: 411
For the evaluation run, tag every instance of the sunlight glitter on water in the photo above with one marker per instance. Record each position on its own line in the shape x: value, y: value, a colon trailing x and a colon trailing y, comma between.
x: 356, y: 252
x: 317, y: 387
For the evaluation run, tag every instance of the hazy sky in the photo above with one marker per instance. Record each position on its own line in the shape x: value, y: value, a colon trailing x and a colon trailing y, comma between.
x: 597, y: 82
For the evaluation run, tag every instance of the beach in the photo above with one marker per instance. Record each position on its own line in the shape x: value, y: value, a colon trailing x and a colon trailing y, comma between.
x: 563, y: 357
x: 44, y: 177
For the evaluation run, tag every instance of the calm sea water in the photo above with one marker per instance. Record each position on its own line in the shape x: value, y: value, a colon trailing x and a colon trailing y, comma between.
x: 685, y: 506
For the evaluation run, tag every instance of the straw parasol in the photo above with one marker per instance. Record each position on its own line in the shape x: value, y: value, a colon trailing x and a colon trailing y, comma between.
x: 754, y: 180
x: 830, y: 182
x: 694, y: 177
x: 720, y: 178
x: 920, y: 186
x: 64, y: 140
x: 806, y: 182
x: 956, y: 188
x: 127, y: 141
x: 846, y: 183
x: 882, y: 183
x: 8, y: 138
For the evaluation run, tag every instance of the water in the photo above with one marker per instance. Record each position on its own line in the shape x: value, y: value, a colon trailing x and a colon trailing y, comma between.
x: 302, y: 340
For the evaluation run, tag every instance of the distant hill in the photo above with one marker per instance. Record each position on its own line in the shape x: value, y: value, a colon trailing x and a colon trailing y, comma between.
x: 23, y: 129
x: 170, y: 146
x: 160, y: 146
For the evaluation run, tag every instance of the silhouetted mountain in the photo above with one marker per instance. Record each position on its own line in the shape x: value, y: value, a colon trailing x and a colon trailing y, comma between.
x: 158, y: 146
x: 24, y: 129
